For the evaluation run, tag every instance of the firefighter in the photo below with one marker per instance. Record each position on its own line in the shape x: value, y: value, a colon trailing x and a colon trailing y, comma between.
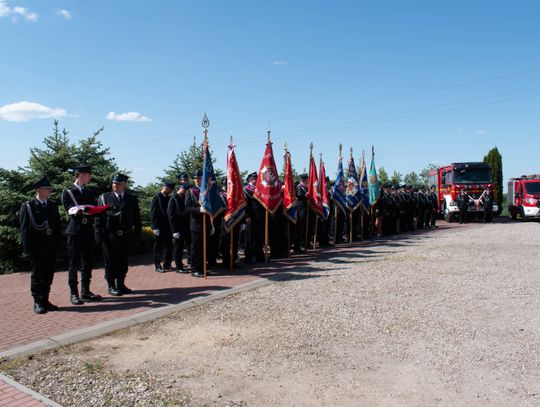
x: 488, y: 206
x: 463, y: 206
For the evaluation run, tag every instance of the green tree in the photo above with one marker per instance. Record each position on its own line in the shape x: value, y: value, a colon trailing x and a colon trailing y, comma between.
x: 494, y: 159
x: 424, y: 174
x: 396, y: 178
x: 412, y: 179
x: 189, y: 161
x: 383, y: 176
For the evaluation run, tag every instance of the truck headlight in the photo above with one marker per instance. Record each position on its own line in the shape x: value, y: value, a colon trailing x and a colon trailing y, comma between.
x: 530, y: 201
x: 453, y: 203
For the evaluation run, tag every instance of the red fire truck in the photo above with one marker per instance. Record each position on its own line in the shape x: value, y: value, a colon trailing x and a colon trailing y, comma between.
x: 473, y: 177
x: 524, y: 197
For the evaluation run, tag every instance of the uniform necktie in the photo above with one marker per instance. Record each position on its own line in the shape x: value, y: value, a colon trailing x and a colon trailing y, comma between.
x: 120, y: 198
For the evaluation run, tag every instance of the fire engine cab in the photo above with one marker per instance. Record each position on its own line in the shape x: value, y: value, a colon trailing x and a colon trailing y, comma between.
x: 524, y: 197
x: 473, y: 177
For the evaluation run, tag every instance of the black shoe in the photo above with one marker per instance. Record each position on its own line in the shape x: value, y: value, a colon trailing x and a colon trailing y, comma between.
x: 88, y: 295
x: 39, y: 308
x: 124, y: 290
x: 182, y: 271
x: 197, y: 274
x: 50, y: 307
x: 114, y: 292
x: 167, y: 268
x: 160, y: 270
x: 76, y: 300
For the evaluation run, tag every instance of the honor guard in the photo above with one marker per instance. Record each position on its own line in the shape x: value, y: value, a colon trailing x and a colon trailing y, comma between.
x: 300, y: 228
x: 116, y: 229
x: 463, y: 206
x: 40, y: 237
x: 161, y: 228
x: 254, y: 223
x: 488, y: 206
x: 80, y: 234
x: 178, y: 221
x: 193, y: 209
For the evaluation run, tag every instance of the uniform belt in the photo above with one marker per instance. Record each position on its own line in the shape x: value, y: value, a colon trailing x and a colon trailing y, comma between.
x: 120, y: 232
x: 84, y: 220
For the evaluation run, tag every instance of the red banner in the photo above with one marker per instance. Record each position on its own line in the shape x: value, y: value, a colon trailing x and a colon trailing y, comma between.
x: 268, y: 187
x: 314, y: 191
x: 325, y: 200
x: 289, y: 191
x: 236, y: 200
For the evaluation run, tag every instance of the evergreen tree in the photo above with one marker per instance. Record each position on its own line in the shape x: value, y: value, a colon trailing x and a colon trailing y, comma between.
x: 494, y: 159
x: 383, y: 176
x: 412, y: 179
x: 396, y: 178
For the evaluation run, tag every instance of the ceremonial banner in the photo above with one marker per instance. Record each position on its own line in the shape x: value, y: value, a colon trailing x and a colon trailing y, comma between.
x: 289, y: 192
x: 209, y: 197
x: 339, y: 189
x: 324, y: 190
x: 364, y: 186
x: 268, y: 187
x: 236, y: 200
x: 352, y: 193
x: 314, y: 192
x: 373, y: 181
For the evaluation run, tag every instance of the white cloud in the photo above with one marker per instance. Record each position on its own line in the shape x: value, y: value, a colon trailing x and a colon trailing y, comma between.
x: 25, y: 111
x: 128, y: 117
x: 64, y: 13
x: 460, y: 129
x: 16, y: 12
x: 481, y: 132
x: 280, y: 62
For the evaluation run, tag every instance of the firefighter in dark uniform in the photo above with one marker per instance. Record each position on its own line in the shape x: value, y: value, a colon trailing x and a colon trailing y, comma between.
x: 488, y: 206
x: 255, y: 218
x: 178, y: 221
x: 161, y: 228
x: 80, y: 234
x: 193, y: 209
x: 434, y: 200
x: 116, y: 229
x: 463, y: 206
x: 300, y: 228
x: 40, y: 237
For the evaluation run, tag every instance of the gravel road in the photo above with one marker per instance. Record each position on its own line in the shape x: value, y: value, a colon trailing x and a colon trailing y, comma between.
x: 441, y: 318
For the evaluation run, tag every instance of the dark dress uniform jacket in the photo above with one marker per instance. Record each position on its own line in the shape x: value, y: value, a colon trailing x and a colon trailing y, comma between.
x: 80, y: 222
x: 121, y: 218
x: 158, y: 213
x: 194, y: 210
x: 33, y: 240
x: 177, y: 214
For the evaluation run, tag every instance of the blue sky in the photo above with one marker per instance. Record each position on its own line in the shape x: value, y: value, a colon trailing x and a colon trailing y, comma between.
x: 423, y: 81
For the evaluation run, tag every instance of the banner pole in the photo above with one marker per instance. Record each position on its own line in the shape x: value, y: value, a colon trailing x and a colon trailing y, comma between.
x: 350, y: 227
x: 335, y: 223
x: 266, y: 238
x: 315, y: 234
x: 204, y: 244
x: 231, y: 250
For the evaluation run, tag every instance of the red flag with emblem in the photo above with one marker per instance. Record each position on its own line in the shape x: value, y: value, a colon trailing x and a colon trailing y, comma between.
x: 236, y: 200
x: 289, y: 191
x: 314, y: 190
x: 268, y: 187
x: 325, y: 201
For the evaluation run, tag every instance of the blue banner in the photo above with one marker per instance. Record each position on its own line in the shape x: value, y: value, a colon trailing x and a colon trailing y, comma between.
x: 210, y: 198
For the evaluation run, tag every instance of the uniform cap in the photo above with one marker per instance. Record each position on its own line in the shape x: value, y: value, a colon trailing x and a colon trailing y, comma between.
x: 82, y: 169
x: 183, y: 175
x: 120, y: 178
x: 43, y: 182
x: 168, y: 184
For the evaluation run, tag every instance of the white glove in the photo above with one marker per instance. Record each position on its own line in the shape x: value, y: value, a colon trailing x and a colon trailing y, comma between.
x: 201, y: 210
x: 156, y: 232
x: 176, y: 235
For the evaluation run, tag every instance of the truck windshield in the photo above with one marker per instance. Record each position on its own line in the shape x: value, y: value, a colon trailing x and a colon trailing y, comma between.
x: 472, y: 175
x: 532, y: 188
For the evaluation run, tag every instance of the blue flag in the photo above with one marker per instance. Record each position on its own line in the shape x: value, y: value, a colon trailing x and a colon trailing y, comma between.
x: 210, y: 197
x: 364, y: 186
x: 373, y: 182
x: 338, y: 191
x: 353, y: 193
